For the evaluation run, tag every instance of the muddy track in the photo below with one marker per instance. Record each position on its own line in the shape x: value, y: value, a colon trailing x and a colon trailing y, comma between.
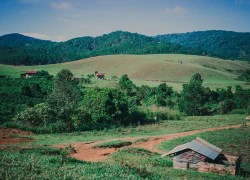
x: 10, y: 136
x: 88, y: 152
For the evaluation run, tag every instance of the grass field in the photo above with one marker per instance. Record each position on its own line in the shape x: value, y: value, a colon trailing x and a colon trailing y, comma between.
x: 150, y: 69
x: 39, y: 160
x: 165, y: 127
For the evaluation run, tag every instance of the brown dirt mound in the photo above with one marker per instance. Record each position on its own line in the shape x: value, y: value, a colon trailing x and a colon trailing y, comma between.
x: 88, y: 152
x: 7, y: 136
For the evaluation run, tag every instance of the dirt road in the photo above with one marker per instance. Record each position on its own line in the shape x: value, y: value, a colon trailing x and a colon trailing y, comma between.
x: 88, y: 152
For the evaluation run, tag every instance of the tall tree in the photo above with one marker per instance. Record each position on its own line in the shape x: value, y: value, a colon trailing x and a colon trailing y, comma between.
x: 193, y: 96
x: 65, y: 96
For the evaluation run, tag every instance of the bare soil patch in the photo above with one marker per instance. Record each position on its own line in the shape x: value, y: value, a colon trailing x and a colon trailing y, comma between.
x: 8, y: 136
x: 88, y: 152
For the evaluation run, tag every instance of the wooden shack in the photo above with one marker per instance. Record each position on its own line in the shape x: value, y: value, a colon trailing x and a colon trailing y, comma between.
x: 205, y: 157
x: 28, y: 74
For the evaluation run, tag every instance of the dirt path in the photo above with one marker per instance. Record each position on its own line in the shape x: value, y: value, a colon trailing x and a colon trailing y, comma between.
x: 8, y: 136
x: 87, y: 151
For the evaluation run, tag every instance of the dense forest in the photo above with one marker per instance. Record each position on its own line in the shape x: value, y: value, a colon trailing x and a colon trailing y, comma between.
x: 222, y: 44
x: 17, y: 49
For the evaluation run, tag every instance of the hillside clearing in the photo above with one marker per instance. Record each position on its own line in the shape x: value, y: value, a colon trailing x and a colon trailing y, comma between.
x: 174, y: 69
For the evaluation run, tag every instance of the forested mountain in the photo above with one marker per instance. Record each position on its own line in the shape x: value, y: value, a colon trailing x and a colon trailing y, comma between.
x: 18, y: 49
x: 16, y: 40
x: 118, y: 42
x: 222, y: 44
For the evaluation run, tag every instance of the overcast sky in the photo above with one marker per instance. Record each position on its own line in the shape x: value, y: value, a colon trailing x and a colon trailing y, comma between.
x: 60, y: 20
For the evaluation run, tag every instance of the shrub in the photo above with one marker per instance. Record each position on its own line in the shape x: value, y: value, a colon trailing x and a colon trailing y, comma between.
x: 154, y: 113
x: 226, y: 106
x: 40, y: 114
x: 114, y: 144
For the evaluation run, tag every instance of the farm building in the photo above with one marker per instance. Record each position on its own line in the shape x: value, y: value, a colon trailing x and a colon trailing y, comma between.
x: 205, y: 157
x: 28, y: 74
x: 99, y: 75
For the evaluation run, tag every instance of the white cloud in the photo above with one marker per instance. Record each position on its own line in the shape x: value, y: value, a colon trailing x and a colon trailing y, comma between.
x: 176, y: 10
x: 61, y: 5
x: 45, y: 37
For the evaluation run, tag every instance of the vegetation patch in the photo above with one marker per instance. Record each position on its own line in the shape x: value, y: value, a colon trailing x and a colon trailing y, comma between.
x: 114, y: 144
x: 141, y: 140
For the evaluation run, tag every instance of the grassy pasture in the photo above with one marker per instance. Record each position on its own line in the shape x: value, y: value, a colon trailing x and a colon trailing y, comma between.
x: 42, y: 161
x: 174, y: 69
x: 126, y: 164
x: 164, y: 127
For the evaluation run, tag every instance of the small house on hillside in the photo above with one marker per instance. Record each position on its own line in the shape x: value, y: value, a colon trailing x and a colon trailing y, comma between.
x: 28, y: 74
x: 205, y: 157
x: 99, y: 75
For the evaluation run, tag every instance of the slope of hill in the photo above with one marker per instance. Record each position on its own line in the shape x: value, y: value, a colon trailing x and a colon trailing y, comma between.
x: 223, y: 44
x: 118, y: 42
x: 17, y: 49
x: 152, y: 70
x: 18, y: 40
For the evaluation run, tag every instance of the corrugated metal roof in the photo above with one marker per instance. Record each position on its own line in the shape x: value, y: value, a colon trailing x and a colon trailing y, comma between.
x: 200, y: 146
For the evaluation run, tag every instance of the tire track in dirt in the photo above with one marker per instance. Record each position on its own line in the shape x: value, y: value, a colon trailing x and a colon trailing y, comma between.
x: 88, y: 151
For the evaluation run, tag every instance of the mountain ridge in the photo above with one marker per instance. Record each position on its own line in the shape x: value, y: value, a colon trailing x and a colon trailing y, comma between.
x: 17, y: 49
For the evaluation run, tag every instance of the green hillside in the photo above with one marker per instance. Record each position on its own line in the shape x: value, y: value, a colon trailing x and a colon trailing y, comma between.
x: 223, y: 44
x: 150, y: 69
x: 17, y: 49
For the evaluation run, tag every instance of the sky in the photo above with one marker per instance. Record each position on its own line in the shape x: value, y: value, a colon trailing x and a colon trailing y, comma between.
x: 60, y: 20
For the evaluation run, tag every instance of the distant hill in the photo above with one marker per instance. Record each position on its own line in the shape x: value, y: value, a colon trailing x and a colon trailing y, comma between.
x: 174, y: 69
x: 17, y: 49
x: 16, y: 40
x: 222, y: 44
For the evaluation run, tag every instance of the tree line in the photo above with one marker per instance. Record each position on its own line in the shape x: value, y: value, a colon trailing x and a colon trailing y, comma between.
x: 64, y: 103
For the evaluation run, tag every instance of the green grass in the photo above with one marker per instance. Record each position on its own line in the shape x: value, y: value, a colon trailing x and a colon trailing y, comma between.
x: 15, y: 165
x: 141, y: 140
x: 231, y: 141
x: 151, y: 166
x: 114, y: 144
x: 41, y: 161
x: 149, y: 69
x: 165, y: 127
x: 125, y: 164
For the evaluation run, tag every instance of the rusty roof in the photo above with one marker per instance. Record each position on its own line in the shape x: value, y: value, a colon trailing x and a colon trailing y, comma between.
x: 200, y: 146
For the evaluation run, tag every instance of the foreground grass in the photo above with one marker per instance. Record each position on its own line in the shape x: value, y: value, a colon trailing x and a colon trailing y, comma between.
x: 165, y: 127
x: 151, y: 166
x: 231, y: 141
x: 125, y: 164
x: 42, y: 161
x: 30, y: 165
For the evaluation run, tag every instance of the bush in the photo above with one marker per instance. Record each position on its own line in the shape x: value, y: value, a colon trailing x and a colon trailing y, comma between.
x: 104, y: 107
x: 40, y: 114
x: 238, y: 111
x: 154, y: 113
x: 226, y: 106
x: 114, y: 144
